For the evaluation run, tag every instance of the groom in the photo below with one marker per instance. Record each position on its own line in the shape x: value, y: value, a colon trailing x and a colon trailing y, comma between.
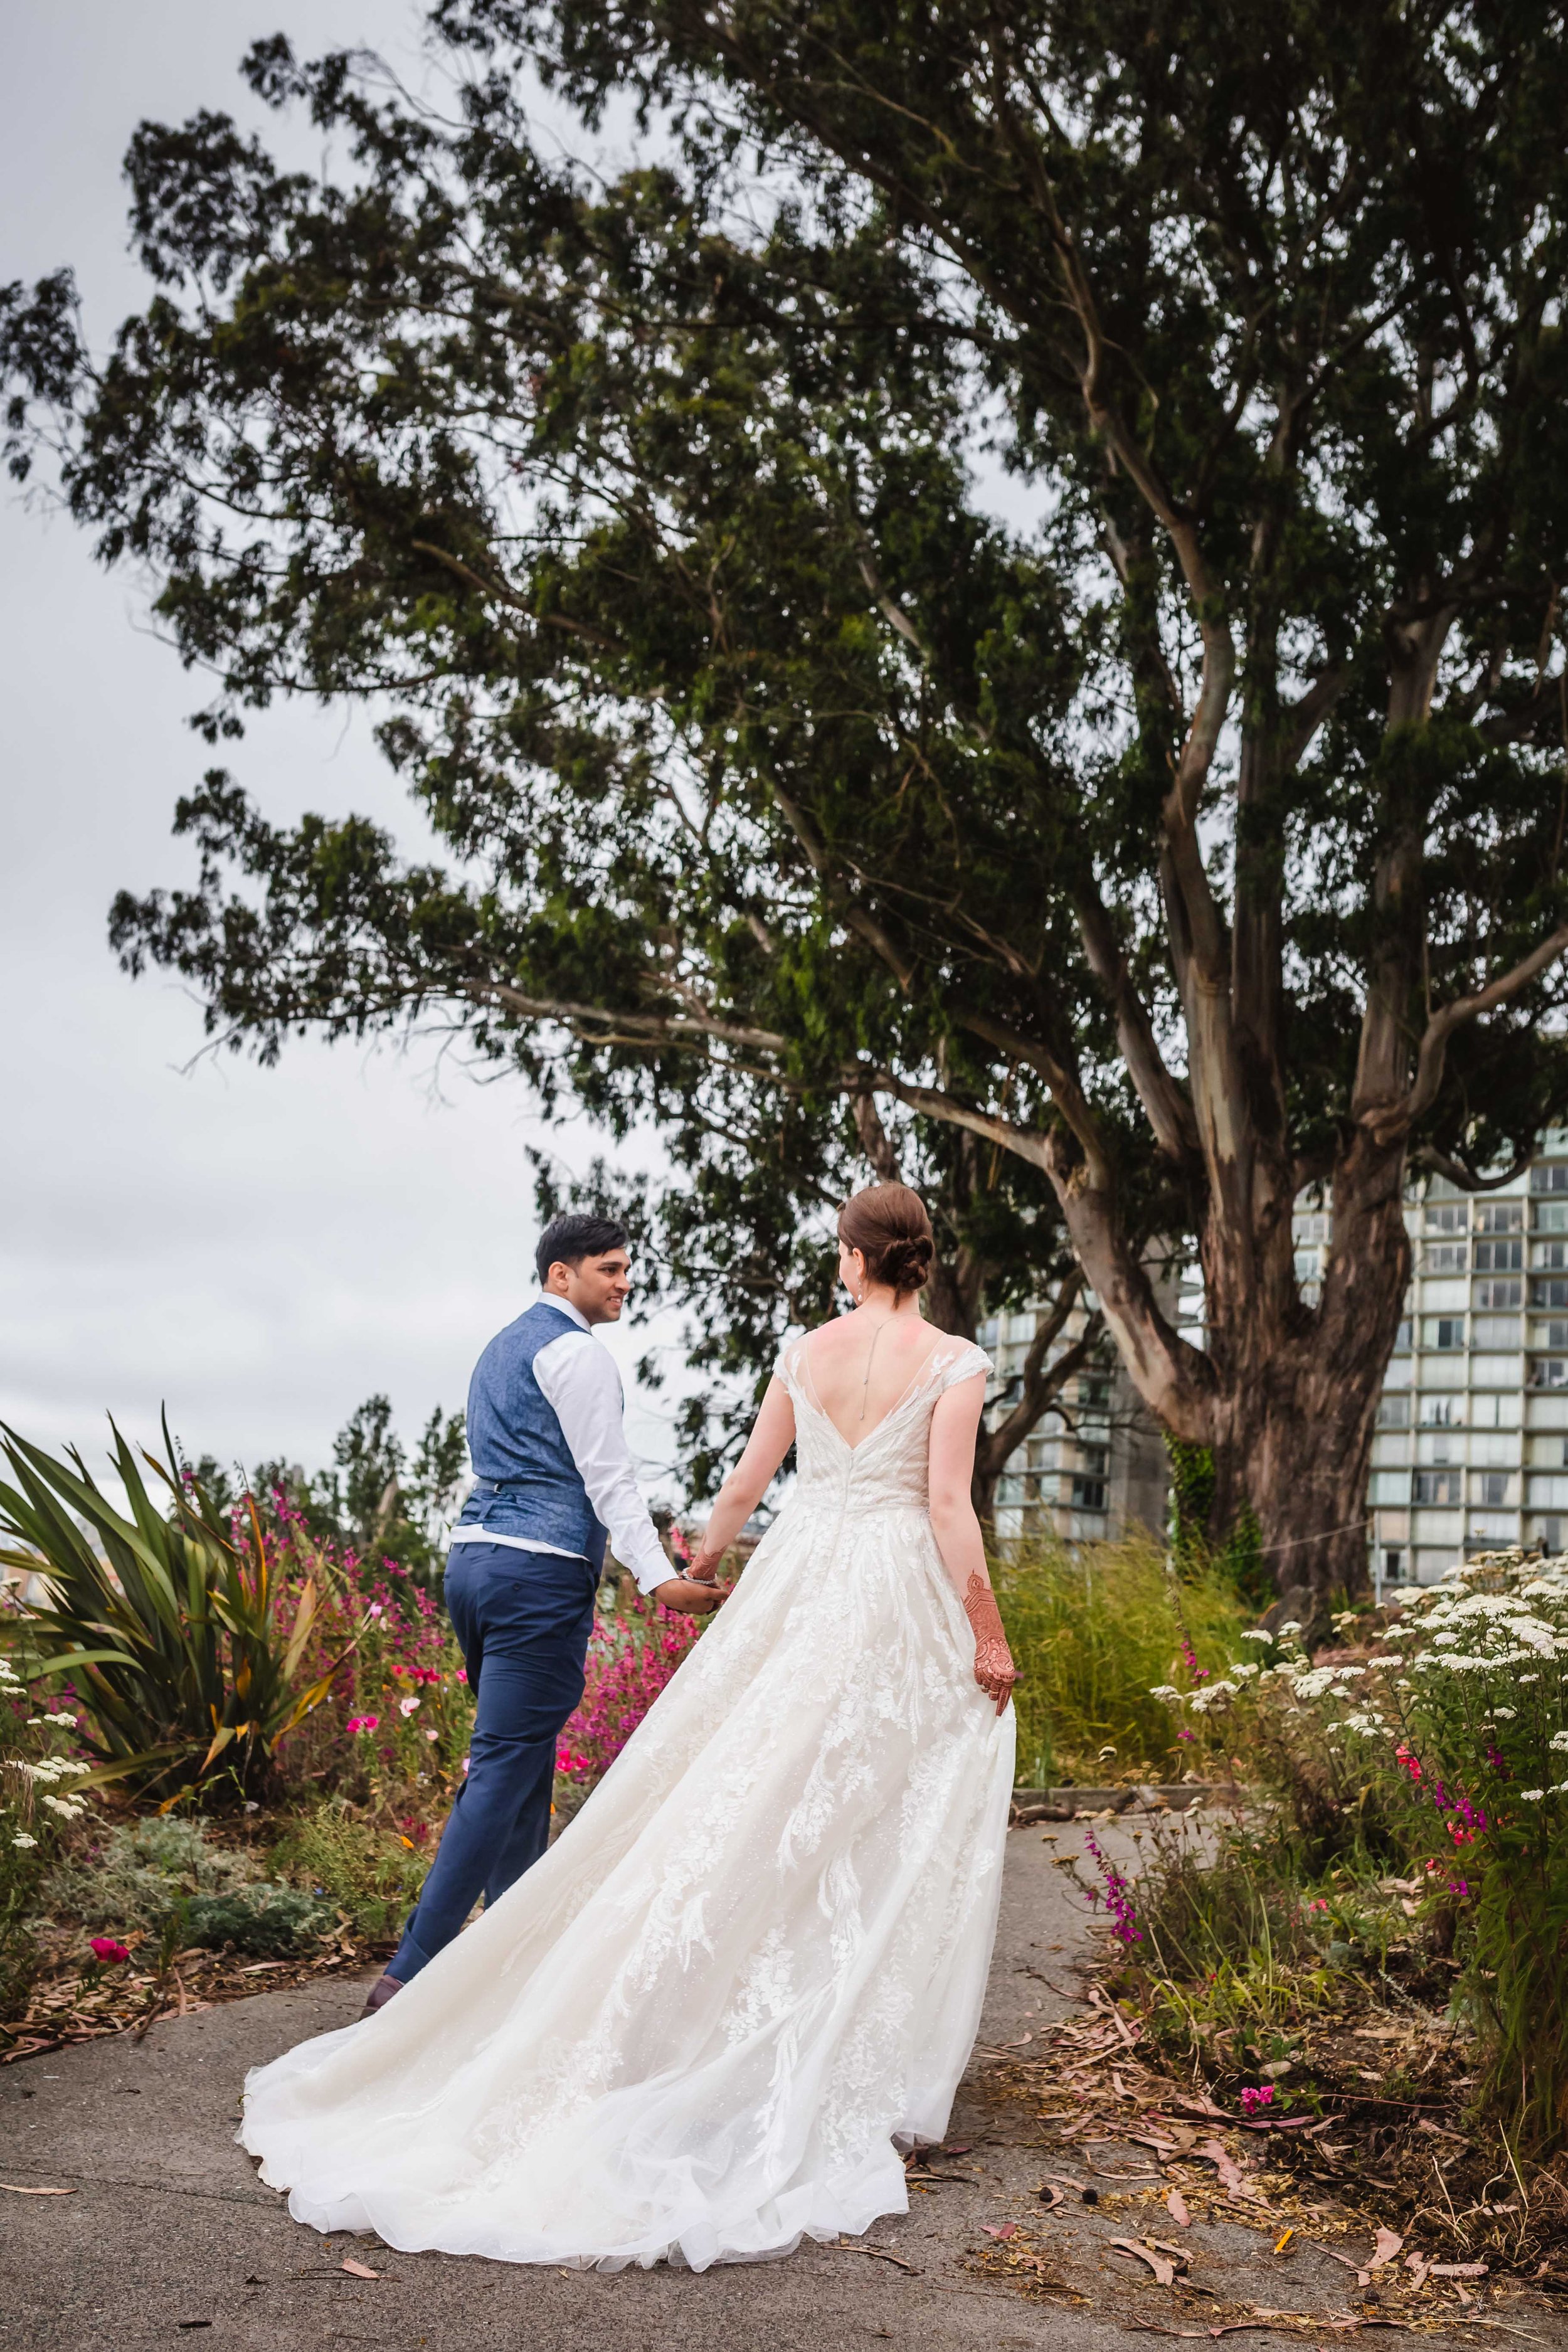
x: 555, y: 1485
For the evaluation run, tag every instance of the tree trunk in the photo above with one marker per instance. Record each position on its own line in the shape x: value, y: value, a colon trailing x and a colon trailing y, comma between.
x: 1297, y: 1386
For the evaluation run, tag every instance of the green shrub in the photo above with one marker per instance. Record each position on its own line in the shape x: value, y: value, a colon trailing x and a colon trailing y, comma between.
x: 1445, y: 1745
x: 187, y: 1646
x: 369, y: 1871
x: 41, y: 1802
x: 1093, y: 1630
x: 271, y: 1921
x: 135, y: 1874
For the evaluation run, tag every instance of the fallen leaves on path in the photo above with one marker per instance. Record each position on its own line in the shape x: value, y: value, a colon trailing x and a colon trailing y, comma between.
x: 1177, y: 2205
x: 1159, y: 2262
x: 360, y: 2269
x: 877, y: 2255
x: 14, y: 2189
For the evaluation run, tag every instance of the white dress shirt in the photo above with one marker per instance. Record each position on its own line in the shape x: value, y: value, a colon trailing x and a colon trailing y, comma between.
x: 579, y: 1380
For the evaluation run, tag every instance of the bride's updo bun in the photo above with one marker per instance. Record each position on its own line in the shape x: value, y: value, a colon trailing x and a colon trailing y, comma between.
x: 888, y: 1225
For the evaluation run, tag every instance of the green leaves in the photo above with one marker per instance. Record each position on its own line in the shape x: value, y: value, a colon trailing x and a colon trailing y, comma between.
x: 176, y: 1634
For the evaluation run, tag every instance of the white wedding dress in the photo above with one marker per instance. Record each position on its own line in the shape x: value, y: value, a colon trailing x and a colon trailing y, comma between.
x: 753, y: 1965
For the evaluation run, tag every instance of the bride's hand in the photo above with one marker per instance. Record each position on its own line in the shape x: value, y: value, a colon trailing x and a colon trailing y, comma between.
x: 995, y: 1672
x: 694, y: 1596
x: 993, y: 1668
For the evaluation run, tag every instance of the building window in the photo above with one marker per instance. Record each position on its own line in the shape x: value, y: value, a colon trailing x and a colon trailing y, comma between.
x: 1497, y: 1330
x: 1549, y: 1176
x: 1548, y: 1373
x: 1550, y: 1335
x: 1437, y: 1487
x: 1450, y: 1217
x: 1498, y: 1257
x: 1444, y: 1257
x: 1442, y: 1330
x: 1492, y: 1488
x: 1504, y: 1293
x: 1548, y: 1494
x: 1392, y: 1567
x: 1393, y: 1411
x: 1548, y: 1294
x: 1548, y: 1535
x: 1550, y: 1257
x: 1500, y: 1217
x: 1550, y: 1217
x: 1088, y: 1493
x: 1389, y: 1486
x: 1439, y: 1411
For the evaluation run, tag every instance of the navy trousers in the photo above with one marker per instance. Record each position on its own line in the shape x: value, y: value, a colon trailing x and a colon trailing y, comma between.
x: 524, y: 1619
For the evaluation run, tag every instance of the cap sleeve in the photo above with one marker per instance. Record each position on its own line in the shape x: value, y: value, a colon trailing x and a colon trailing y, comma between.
x: 788, y: 1366
x: 969, y: 1360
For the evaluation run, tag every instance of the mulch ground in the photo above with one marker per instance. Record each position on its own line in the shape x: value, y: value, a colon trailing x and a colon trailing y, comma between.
x: 69, y: 2002
x: 1431, y: 2223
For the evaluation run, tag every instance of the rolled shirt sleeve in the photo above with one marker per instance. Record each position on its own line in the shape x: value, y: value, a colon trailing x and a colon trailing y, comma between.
x: 579, y: 1379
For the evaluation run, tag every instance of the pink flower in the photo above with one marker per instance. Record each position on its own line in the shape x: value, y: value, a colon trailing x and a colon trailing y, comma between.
x: 462, y: 1674
x: 1252, y: 2100
x: 110, y: 1950
x: 364, y: 1722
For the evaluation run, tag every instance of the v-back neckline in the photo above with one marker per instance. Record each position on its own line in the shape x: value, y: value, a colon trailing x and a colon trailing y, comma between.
x: 814, y: 1401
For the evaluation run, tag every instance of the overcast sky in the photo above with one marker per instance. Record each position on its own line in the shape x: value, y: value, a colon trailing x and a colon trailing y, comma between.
x: 261, y: 1249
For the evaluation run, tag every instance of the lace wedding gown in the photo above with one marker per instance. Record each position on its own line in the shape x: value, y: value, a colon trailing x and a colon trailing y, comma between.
x: 754, y: 1962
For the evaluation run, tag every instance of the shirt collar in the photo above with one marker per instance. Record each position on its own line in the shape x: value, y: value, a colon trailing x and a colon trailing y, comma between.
x: 564, y: 1307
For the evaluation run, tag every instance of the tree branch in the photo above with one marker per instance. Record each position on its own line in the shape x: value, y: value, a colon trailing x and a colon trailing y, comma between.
x: 1386, y: 1121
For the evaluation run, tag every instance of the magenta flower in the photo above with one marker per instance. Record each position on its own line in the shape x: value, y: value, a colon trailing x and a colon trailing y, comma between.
x: 364, y: 1722
x: 1252, y: 2100
x: 109, y: 1950
x: 1118, y: 1895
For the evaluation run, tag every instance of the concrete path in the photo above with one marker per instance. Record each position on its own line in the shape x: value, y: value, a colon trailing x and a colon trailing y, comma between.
x: 168, y: 2237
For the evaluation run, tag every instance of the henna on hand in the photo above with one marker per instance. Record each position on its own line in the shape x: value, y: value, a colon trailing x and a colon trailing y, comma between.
x: 993, y: 1668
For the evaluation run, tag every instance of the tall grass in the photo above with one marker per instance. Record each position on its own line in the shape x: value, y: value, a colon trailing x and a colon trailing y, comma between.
x: 1094, y: 1630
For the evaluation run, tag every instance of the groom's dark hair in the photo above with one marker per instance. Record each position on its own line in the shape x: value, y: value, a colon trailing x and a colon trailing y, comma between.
x: 567, y: 1240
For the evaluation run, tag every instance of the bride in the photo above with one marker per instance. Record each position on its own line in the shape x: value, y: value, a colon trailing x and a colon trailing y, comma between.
x: 751, y: 1967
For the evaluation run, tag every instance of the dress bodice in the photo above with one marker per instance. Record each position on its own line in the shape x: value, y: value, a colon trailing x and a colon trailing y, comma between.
x: 887, y: 1470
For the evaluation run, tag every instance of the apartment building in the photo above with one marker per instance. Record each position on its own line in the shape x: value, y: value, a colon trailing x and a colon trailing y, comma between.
x: 1471, y: 1449
x: 1092, y: 1480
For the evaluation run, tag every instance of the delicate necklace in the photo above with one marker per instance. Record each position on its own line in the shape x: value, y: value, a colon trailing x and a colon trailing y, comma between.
x: 870, y: 1358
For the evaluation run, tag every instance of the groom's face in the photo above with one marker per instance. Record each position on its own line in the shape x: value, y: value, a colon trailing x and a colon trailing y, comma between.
x: 597, y: 1287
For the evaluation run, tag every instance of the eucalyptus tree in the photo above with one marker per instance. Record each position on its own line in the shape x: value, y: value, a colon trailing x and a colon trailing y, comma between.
x: 1187, y: 833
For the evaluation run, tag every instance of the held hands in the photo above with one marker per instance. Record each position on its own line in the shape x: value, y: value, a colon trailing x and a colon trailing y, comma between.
x: 993, y: 1668
x: 694, y: 1594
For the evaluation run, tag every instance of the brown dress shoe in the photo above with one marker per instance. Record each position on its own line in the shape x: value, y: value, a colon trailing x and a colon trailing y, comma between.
x: 380, y: 1992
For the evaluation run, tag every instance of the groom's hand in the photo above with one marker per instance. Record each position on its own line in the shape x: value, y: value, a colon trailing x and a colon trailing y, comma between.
x: 690, y: 1594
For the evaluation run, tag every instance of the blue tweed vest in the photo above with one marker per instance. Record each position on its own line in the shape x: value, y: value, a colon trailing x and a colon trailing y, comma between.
x: 526, y: 1482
